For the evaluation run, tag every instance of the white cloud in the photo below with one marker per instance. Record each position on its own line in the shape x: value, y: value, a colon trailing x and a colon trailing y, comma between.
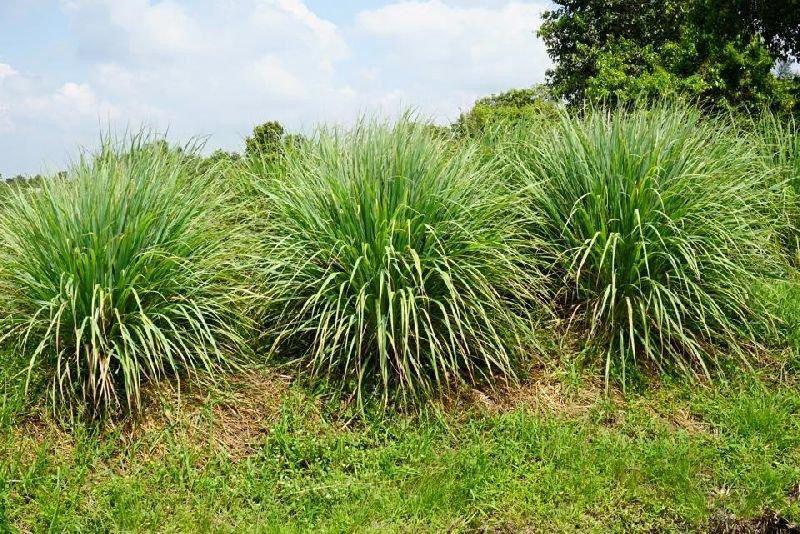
x: 68, y: 105
x: 277, y: 79
x: 40, y: 123
x: 137, y: 30
x: 447, y: 54
x: 216, y: 65
x: 6, y: 71
x: 25, y: 99
x: 219, y: 67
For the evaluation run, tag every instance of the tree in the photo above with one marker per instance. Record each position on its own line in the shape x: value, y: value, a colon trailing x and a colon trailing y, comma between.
x: 511, y: 106
x: 267, y: 140
x: 784, y: 71
x: 776, y: 22
x: 719, y: 51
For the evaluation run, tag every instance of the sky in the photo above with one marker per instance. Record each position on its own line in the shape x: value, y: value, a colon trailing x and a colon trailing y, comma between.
x: 73, y: 69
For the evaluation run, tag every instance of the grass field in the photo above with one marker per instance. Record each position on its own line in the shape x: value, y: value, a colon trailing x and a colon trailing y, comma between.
x: 553, y: 454
x: 587, y: 322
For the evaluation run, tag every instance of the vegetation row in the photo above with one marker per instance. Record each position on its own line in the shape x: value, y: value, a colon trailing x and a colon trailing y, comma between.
x: 394, y: 261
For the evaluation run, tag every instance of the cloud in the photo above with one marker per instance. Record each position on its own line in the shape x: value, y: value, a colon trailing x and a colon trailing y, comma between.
x: 195, y: 68
x: 215, y: 65
x: 219, y: 67
x: 445, y: 55
x: 26, y: 99
x: 133, y: 30
x: 6, y: 71
x: 40, y: 122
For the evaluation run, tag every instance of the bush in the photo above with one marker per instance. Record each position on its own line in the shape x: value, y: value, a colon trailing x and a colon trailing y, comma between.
x: 118, y: 273
x: 660, y: 224
x: 269, y: 140
x: 508, y: 108
x: 396, y: 262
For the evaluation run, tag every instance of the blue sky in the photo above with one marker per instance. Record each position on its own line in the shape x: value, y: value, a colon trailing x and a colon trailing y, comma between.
x: 70, y: 69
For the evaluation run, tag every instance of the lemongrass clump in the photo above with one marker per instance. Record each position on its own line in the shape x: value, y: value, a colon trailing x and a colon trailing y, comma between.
x: 396, y: 262
x: 118, y: 272
x: 661, y: 230
x: 778, y: 140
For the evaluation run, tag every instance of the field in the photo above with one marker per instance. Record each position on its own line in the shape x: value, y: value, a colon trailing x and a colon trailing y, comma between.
x: 556, y: 453
x: 571, y: 322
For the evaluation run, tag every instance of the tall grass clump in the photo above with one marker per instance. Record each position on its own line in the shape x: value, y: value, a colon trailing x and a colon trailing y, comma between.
x: 396, y: 262
x: 661, y: 231
x: 119, y: 272
x: 778, y: 138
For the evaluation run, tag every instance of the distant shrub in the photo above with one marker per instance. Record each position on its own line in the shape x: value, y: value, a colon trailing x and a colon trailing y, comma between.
x: 118, y: 273
x: 661, y: 229
x: 396, y: 262
x: 219, y: 160
x: 266, y: 141
x: 508, y: 108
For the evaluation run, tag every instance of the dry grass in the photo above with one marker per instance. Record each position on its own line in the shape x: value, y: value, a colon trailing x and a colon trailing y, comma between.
x: 232, y: 418
x: 544, y: 393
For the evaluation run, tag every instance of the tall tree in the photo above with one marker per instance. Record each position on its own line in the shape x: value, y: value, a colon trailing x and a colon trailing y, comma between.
x: 721, y: 51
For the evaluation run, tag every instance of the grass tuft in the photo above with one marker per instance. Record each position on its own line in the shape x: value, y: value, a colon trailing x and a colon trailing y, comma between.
x: 659, y: 222
x: 119, y: 272
x: 396, y: 262
x: 778, y: 140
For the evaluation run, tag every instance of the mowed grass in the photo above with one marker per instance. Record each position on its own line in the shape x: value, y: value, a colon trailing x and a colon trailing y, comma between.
x: 556, y: 454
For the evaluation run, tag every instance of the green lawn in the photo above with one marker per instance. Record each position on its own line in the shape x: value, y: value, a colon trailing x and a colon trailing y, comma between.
x: 554, y: 454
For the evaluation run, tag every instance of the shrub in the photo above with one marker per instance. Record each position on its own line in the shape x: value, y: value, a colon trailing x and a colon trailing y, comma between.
x: 659, y: 222
x: 511, y: 107
x: 266, y: 138
x: 117, y: 273
x: 396, y: 262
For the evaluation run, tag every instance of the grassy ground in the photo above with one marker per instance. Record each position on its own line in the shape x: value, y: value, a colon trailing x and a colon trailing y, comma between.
x: 444, y: 250
x: 554, y: 454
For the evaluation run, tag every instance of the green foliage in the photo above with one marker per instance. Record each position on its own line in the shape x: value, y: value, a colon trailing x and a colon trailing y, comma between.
x: 219, y: 163
x: 396, y: 261
x: 577, y: 33
x: 510, y: 107
x: 221, y: 157
x: 778, y: 139
x: 266, y: 141
x: 661, y: 228
x: 268, y: 149
x: 776, y: 23
x: 654, y: 463
x: 400, y: 260
x: 720, y: 52
x: 120, y: 272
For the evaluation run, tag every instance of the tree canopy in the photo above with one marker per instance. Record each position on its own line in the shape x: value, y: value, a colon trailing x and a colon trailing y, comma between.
x: 510, y: 106
x: 723, y: 52
x: 267, y: 139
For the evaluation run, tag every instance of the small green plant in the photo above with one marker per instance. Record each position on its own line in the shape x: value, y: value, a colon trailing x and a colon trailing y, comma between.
x: 659, y: 220
x: 119, y: 272
x: 395, y: 261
